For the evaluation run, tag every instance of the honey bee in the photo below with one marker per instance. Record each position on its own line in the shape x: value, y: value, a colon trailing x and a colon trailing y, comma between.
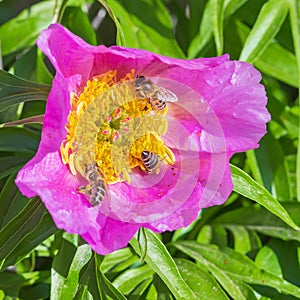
x: 97, y: 188
x: 150, y: 161
x: 158, y: 96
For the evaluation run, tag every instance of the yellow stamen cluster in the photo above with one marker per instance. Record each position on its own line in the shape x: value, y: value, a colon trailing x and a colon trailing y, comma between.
x: 110, y: 126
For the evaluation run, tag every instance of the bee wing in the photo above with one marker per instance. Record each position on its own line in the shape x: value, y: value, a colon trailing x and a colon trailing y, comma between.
x: 164, y: 94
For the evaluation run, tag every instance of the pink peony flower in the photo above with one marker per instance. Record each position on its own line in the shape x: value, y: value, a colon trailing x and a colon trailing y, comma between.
x: 133, y: 139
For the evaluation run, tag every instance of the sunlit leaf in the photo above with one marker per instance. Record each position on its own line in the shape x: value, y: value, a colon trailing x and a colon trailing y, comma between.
x: 217, y: 10
x: 201, y: 282
x: 235, y: 265
x: 78, y: 22
x: 206, y: 29
x: 151, y: 31
x: 22, y: 31
x: 160, y: 260
x: 248, y: 187
x: 131, y: 278
x: 267, y: 25
x: 66, y: 269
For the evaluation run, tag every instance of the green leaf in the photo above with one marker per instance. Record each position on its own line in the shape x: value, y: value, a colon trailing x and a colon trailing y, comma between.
x: 15, y: 90
x: 20, y: 226
x: 267, y: 259
x: 259, y: 219
x: 121, y: 40
x: 104, y: 284
x: 22, y: 31
x: 274, y: 171
x: 267, y: 25
x: 78, y: 22
x: 160, y: 260
x: 118, y: 261
x: 66, y: 268
x: 42, y: 72
x: 205, y: 33
x: 11, y: 283
x: 93, y: 284
x: 217, y: 10
x: 201, y: 282
x: 12, y: 163
x: 235, y: 265
x: 152, y: 30
x: 246, y: 186
x: 235, y: 288
x: 18, y: 140
x: 11, y: 201
x: 43, y: 231
x: 279, y: 63
x: 131, y: 278
x: 242, y: 242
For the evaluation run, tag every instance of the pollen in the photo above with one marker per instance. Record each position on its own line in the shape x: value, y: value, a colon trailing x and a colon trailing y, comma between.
x: 109, y: 125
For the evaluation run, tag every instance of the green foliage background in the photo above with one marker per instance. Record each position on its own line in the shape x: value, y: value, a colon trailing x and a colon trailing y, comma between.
x: 247, y: 248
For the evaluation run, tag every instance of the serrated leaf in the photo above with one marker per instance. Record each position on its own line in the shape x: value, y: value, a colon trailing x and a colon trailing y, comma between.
x: 22, y: 31
x: 15, y: 90
x: 160, y: 260
x: 248, y: 187
x: 152, y: 31
x: 235, y: 265
x: 267, y: 25
x: 201, y: 282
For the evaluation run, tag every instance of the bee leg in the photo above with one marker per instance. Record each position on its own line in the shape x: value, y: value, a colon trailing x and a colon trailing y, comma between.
x: 85, y: 189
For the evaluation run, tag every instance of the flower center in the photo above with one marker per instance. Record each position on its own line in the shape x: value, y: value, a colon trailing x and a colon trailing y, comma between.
x: 116, y: 126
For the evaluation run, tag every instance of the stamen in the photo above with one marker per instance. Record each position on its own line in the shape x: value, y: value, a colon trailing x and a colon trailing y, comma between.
x: 109, y: 126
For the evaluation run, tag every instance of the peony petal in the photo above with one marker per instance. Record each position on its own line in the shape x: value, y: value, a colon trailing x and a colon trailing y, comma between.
x: 110, y: 234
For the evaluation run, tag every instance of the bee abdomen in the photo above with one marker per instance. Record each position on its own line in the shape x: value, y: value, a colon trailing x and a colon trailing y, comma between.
x: 158, y: 104
x: 150, y: 161
x: 98, y: 192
